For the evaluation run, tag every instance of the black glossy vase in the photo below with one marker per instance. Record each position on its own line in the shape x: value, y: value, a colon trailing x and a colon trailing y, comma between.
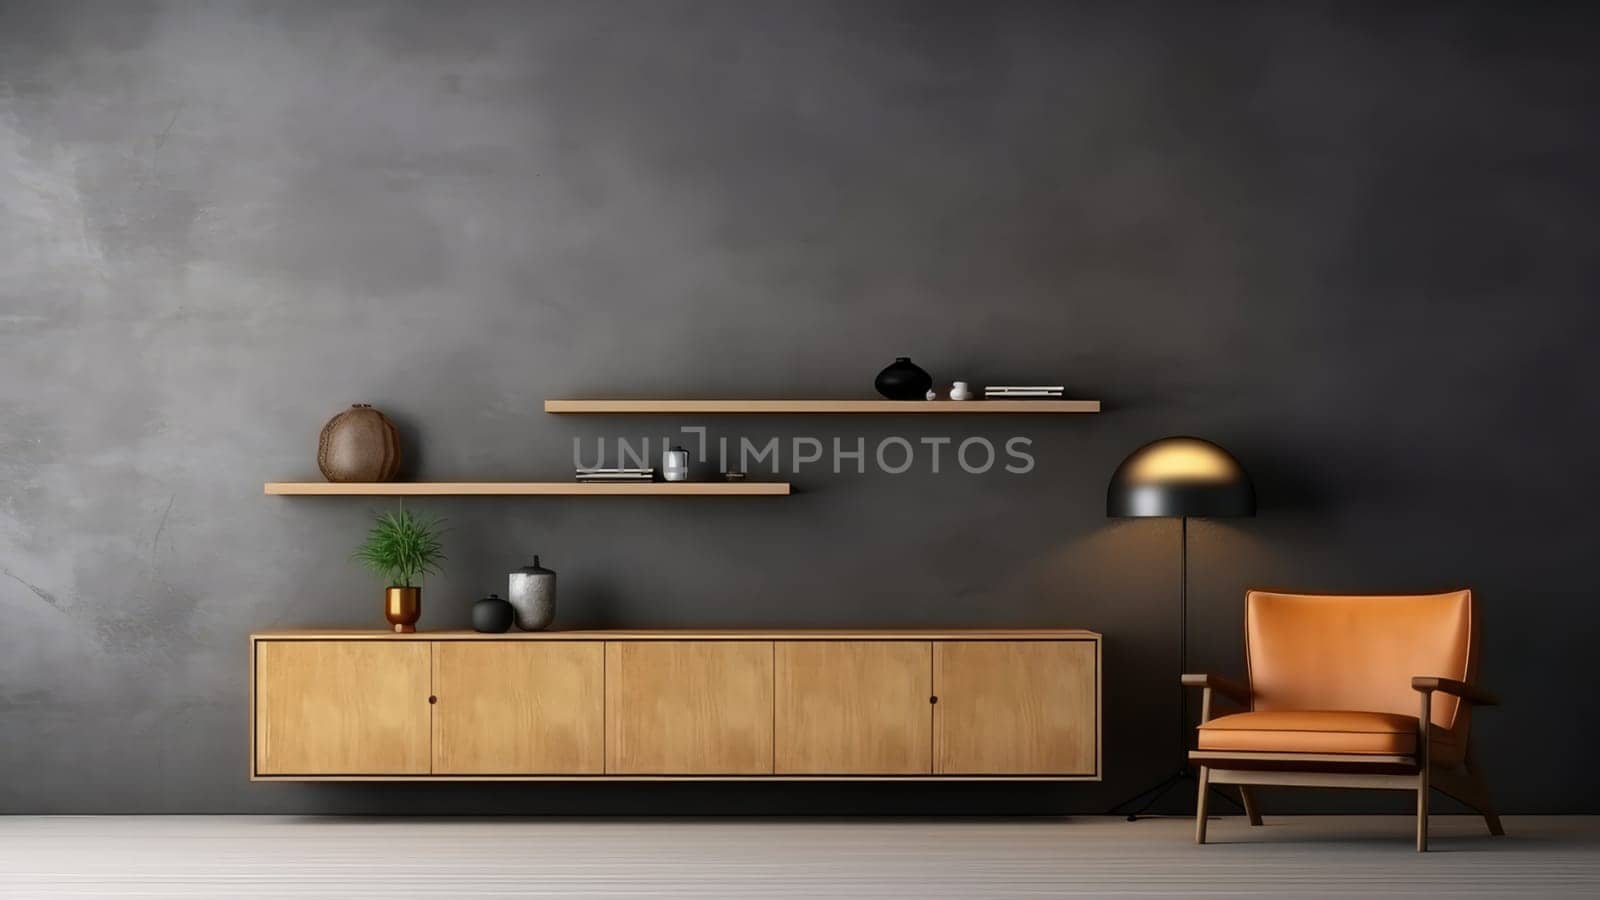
x: 904, y: 380
x: 492, y: 615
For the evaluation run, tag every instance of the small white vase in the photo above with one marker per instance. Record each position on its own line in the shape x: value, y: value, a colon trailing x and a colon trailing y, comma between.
x: 960, y: 391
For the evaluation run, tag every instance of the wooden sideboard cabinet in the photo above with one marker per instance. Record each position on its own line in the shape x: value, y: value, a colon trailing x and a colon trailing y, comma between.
x: 663, y: 705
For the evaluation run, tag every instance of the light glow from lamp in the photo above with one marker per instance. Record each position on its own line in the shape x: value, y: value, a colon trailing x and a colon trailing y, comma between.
x: 1181, y: 459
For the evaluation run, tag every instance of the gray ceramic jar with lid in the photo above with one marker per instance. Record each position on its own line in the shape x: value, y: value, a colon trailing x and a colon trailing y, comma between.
x: 532, y: 593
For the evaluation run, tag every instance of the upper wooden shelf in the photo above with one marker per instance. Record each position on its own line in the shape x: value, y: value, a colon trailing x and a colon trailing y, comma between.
x: 778, y: 407
x: 528, y: 488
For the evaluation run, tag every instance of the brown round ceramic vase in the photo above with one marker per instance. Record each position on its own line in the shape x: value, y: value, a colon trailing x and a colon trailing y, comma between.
x: 402, y: 606
x: 359, y: 444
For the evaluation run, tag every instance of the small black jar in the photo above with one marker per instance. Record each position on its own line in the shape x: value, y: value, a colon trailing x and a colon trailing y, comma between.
x: 904, y: 380
x: 492, y: 615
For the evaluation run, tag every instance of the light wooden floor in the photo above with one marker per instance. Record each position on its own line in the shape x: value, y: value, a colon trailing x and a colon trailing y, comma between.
x: 247, y: 857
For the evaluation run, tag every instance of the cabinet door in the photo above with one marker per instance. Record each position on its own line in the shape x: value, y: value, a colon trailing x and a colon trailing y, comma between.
x: 519, y: 708
x: 853, y: 708
x: 342, y: 707
x: 689, y: 707
x: 1015, y: 707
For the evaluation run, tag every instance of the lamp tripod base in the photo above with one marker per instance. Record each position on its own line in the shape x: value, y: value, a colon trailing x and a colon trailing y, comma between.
x: 1153, y: 794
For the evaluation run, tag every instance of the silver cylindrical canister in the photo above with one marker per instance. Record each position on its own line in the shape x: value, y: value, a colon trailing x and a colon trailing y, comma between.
x: 675, y: 465
x: 532, y: 593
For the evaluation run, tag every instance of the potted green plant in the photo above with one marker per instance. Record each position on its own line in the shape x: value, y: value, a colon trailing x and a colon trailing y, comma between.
x: 401, y: 548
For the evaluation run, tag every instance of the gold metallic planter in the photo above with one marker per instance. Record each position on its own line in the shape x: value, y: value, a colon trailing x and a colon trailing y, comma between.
x: 402, y: 606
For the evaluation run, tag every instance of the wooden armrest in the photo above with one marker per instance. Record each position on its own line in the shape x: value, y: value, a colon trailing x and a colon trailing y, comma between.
x: 1468, y: 692
x: 1227, y: 687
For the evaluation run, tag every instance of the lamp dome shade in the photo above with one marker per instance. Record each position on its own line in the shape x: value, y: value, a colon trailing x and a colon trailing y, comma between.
x: 1180, y: 476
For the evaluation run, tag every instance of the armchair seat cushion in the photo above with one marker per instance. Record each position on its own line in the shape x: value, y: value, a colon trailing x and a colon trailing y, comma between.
x: 1325, y: 731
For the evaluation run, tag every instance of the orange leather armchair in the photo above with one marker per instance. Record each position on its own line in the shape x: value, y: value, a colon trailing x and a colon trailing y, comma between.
x: 1361, y: 692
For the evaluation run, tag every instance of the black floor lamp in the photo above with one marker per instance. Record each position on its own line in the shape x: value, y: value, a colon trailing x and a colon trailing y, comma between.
x: 1181, y: 478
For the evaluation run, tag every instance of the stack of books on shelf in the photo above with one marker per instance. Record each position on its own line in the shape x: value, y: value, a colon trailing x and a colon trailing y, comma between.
x: 600, y: 473
x: 1015, y: 391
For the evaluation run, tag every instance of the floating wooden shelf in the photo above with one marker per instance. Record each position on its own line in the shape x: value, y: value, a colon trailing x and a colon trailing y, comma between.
x: 779, y: 407
x: 528, y: 489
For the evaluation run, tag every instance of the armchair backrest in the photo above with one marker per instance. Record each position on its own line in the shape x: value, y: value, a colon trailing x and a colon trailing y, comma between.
x: 1322, y: 652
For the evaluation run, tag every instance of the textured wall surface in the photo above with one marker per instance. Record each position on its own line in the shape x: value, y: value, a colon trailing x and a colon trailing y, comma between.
x: 1355, y: 246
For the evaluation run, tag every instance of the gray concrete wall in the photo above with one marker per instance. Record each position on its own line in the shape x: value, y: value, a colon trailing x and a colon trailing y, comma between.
x: 1354, y: 245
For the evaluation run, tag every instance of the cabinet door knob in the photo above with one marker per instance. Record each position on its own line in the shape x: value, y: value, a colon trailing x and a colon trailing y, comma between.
x: 432, y: 699
x: 933, y: 699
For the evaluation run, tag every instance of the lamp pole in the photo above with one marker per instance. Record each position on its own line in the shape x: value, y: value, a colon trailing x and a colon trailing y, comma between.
x: 1183, y: 640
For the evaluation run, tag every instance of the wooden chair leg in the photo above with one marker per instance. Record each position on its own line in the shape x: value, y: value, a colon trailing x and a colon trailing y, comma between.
x: 1422, y: 814
x: 1423, y: 775
x: 1484, y: 804
x: 1200, y: 805
x: 1251, y: 810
